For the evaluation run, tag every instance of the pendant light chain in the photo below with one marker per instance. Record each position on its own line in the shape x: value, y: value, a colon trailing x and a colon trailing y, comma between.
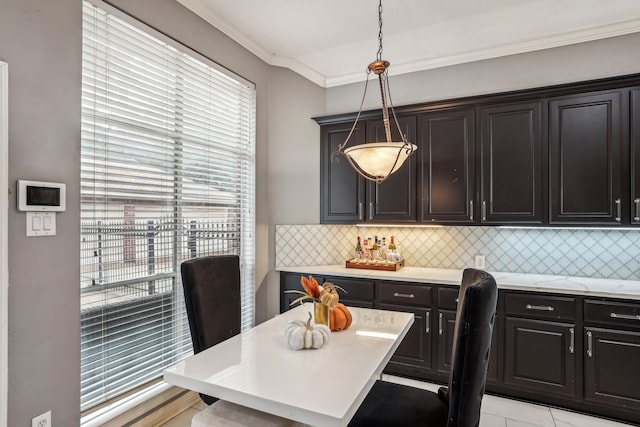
x: 379, y: 55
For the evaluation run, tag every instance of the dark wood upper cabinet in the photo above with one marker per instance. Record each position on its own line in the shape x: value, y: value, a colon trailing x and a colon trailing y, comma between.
x: 511, y: 164
x: 563, y: 155
x: 342, y: 190
x: 394, y: 199
x: 635, y: 155
x: 585, y: 142
x: 446, y: 150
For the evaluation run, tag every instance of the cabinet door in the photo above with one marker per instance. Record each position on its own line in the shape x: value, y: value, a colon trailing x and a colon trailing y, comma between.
x: 395, y: 198
x: 635, y: 156
x: 446, y: 328
x: 511, y: 164
x: 415, y: 349
x: 611, y: 368
x: 342, y: 190
x: 444, y: 346
x: 585, y: 152
x: 446, y: 149
x: 539, y: 356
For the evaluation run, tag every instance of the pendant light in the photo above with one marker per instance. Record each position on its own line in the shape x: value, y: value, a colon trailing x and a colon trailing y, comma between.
x: 376, y: 161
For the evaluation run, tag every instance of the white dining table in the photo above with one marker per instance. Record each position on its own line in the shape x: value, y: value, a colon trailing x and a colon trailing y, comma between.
x: 319, y: 387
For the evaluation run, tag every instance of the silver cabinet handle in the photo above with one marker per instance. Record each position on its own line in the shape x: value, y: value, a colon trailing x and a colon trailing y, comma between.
x: 457, y: 299
x: 618, y: 210
x: 625, y: 316
x: 370, y: 211
x: 539, y: 307
x: 573, y: 340
x: 404, y: 295
x: 484, y: 210
x: 589, y: 344
x: 360, y: 211
x: 427, y: 327
x: 637, y: 203
x: 440, y: 324
x: 471, y: 210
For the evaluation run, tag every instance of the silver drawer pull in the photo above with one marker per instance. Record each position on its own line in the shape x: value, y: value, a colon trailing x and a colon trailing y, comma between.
x: 573, y: 340
x: 618, y: 210
x: 457, y: 299
x: 427, y: 322
x: 440, y: 318
x: 589, y: 344
x: 625, y: 316
x: 539, y: 307
x: 471, y: 210
x: 637, y: 203
x: 404, y: 295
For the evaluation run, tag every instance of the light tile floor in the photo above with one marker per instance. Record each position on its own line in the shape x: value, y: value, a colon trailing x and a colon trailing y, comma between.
x: 496, y: 412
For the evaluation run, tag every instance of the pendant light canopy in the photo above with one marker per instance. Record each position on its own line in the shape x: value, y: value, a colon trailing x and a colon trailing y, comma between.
x: 376, y: 161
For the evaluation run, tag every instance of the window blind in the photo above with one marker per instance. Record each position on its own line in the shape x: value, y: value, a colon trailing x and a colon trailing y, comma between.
x: 167, y: 174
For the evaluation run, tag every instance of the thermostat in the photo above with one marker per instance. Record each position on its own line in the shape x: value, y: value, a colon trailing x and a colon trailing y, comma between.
x: 38, y: 196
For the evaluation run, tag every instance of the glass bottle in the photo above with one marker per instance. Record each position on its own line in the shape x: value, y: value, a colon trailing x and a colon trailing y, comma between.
x: 392, y: 245
x: 358, y: 253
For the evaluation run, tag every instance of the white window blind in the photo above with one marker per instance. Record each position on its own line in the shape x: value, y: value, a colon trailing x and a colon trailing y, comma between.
x: 168, y: 171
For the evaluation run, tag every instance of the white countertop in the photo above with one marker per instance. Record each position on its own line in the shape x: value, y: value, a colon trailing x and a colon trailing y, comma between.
x: 611, y: 288
x: 322, y: 387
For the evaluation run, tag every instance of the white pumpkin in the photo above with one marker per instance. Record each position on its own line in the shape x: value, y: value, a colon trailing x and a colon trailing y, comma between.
x: 300, y: 334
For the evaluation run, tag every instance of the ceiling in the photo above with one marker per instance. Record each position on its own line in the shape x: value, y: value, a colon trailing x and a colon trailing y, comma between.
x: 331, y: 42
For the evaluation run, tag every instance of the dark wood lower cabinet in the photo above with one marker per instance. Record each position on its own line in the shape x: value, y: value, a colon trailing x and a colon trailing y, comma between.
x: 612, y: 367
x: 562, y: 350
x: 414, y: 353
x: 539, y: 356
x: 446, y: 327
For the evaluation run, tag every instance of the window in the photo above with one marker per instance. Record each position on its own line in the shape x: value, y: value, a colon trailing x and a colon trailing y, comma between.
x: 168, y: 167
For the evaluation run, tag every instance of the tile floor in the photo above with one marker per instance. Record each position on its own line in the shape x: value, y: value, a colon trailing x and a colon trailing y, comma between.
x: 496, y: 412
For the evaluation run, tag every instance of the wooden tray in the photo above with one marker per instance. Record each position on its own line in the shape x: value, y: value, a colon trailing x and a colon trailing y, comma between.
x: 386, y: 266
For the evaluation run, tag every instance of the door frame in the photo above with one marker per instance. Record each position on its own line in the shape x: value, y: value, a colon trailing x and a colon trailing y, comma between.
x: 4, y: 241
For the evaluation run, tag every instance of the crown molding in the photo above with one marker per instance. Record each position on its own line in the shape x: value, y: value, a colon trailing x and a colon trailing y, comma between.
x: 564, y: 39
x: 558, y: 40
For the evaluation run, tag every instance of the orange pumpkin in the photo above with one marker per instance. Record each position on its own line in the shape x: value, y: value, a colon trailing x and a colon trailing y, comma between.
x: 339, y: 317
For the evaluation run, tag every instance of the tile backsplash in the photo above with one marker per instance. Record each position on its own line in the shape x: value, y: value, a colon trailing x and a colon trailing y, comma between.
x: 612, y: 254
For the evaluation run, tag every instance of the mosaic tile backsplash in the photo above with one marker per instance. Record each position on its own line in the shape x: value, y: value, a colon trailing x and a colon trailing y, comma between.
x: 612, y: 254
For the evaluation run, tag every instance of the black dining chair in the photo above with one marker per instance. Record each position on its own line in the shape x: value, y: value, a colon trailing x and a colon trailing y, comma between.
x: 458, y: 405
x: 212, y: 297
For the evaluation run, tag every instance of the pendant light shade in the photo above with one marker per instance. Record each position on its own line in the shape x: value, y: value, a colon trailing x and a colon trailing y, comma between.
x: 376, y: 161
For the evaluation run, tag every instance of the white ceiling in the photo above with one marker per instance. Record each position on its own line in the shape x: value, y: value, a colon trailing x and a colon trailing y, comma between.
x: 331, y: 42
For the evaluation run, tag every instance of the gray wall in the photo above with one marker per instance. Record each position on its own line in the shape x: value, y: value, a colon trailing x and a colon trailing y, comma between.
x: 41, y: 42
x: 585, y: 61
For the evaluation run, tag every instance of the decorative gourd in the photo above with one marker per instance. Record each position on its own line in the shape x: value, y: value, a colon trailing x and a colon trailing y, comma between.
x: 300, y: 334
x: 329, y: 296
x: 339, y: 317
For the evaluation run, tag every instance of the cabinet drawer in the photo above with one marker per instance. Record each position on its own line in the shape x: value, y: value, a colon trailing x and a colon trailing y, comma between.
x: 540, y: 306
x: 610, y: 313
x: 408, y: 294
x: 448, y: 298
x: 355, y: 289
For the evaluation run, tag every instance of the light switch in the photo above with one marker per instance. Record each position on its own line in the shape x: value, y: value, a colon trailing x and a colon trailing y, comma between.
x: 36, y: 223
x: 41, y: 223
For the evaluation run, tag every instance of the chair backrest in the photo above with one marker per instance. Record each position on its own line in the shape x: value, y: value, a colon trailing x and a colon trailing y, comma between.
x: 212, y: 298
x: 475, y: 316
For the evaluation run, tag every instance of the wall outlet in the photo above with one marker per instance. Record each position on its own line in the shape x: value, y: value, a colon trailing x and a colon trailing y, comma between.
x: 43, y: 420
x: 479, y: 261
